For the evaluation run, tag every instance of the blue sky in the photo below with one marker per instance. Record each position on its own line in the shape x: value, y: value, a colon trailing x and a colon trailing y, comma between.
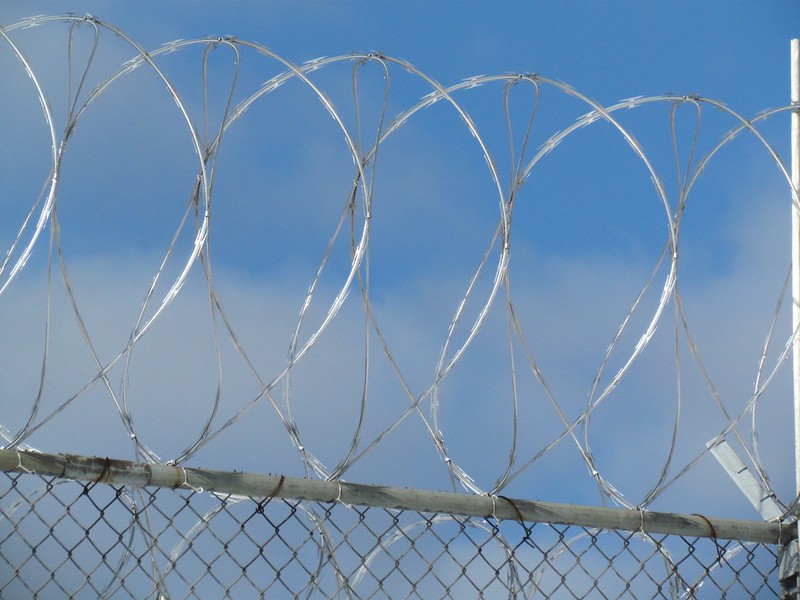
x: 588, y: 227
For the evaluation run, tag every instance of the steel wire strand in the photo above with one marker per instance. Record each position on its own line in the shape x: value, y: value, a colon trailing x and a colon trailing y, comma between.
x: 569, y: 427
x: 139, y: 329
x: 205, y: 257
x: 363, y: 280
x: 745, y: 125
x: 757, y: 384
x: 682, y: 192
x: 357, y: 257
x: 366, y: 166
x: 69, y: 130
x: 515, y: 183
x: 49, y: 203
x: 349, y: 211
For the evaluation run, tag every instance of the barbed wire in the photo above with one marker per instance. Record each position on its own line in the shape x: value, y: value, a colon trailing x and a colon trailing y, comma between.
x: 42, y: 226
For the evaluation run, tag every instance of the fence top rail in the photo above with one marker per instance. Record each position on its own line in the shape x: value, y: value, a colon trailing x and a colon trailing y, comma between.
x: 256, y: 486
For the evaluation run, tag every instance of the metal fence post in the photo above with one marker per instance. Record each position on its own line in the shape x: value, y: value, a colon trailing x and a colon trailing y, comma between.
x: 790, y: 558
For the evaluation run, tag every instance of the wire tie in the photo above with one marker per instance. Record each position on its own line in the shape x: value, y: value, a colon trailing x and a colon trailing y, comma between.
x: 642, y: 532
x: 494, y: 507
x: 106, y: 472
x: 520, y: 518
x: 197, y: 490
x: 339, y: 497
x: 720, y: 550
x: 277, y: 489
x: 19, y: 465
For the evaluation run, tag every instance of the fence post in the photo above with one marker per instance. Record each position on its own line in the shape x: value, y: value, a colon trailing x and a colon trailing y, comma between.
x: 790, y: 558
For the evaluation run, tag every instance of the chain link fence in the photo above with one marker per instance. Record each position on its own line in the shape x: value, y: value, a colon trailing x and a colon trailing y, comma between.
x: 110, y: 536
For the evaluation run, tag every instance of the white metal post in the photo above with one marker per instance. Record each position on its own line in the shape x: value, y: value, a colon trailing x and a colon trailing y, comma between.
x: 789, y: 563
x: 796, y: 249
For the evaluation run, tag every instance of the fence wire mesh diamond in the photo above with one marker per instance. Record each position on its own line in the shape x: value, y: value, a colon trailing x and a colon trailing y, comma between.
x: 61, y: 538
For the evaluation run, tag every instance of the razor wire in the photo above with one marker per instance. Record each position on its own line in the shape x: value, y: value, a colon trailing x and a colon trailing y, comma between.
x: 42, y: 230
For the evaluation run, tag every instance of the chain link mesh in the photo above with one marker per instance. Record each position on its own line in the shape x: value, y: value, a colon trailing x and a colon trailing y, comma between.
x: 62, y: 538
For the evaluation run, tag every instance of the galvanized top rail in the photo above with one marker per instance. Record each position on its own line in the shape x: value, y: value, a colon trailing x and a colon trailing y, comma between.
x: 121, y: 472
